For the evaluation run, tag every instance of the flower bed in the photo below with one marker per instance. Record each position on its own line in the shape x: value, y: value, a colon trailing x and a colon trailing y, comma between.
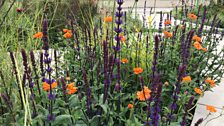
x: 112, y: 73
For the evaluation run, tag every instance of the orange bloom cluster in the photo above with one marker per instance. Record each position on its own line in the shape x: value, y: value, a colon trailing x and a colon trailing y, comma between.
x: 130, y: 106
x: 167, y: 34
x: 186, y: 79
x: 71, y: 89
x: 68, y: 33
x: 210, y: 81
x: 124, y: 60
x: 197, y: 46
x: 167, y: 22
x: 197, y: 43
x: 192, y: 16
x: 196, y: 38
x: 138, y: 70
x: 46, y: 86
x: 108, y: 19
x: 144, y: 94
x: 198, y: 90
x: 211, y: 108
x: 38, y: 35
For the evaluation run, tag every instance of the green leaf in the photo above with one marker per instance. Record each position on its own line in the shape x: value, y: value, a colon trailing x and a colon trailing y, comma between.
x: 60, y: 102
x: 62, y: 119
x: 95, y: 121
x: 137, y: 123
x: 73, y: 101
x: 104, y: 107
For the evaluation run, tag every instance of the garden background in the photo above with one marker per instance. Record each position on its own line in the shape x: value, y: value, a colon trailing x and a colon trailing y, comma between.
x: 103, y: 56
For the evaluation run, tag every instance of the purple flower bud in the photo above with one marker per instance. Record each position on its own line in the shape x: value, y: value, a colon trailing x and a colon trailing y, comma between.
x: 181, y: 69
x: 47, y: 61
x: 31, y: 85
x: 49, y: 70
x: 44, y: 80
x: 46, y: 54
x: 118, y: 87
x: 174, y: 106
x: 52, y: 81
x: 119, y: 22
x: 118, y: 30
x: 119, y: 8
x: 119, y: 14
x: 50, y: 117
x: 120, y: 2
x: 116, y: 48
x: 51, y: 96
x: 153, y: 68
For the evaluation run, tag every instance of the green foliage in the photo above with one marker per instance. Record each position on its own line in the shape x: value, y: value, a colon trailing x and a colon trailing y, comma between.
x: 82, y: 59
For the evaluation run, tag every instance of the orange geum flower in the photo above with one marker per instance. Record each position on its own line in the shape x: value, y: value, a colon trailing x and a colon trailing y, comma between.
x: 38, y: 35
x: 138, y: 70
x: 124, y: 60
x: 167, y: 34
x: 198, y: 90
x: 192, y: 16
x: 71, y: 89
x: 108, y: 19
x: 197, y: 45
x: 210, y: 81
x: 144, y: 94
x: 196, y: 38
x: 186, y: 79
x: 46, y: 86
x: 67, y: 30
x: 130, y: 106
x: 211, y: 108
x: 67, y: 35
x: 70, y: 86
x: 167, y: 22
